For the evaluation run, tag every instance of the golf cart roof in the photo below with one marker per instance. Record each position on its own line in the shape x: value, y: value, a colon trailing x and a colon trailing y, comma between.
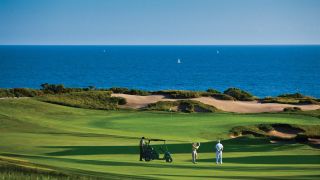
x: 157, y: 140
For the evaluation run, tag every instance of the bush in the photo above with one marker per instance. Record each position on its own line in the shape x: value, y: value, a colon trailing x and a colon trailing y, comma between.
x: 121, y: 101
x: 213, y: 91
x: 53, y: 88
x: 295, y: 95
x: 119, y: 90
x: 239, y: 94
x: 291, y: 109
x: 139, y: 92
x: 308, y: 101
x: 179, y: 94
x: 265, y: 127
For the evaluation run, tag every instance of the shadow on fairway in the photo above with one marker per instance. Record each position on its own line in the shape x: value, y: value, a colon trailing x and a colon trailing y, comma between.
x: 306, y: 177
x: 212, y: 166
x: 280, y: 159
x: 242, y: 144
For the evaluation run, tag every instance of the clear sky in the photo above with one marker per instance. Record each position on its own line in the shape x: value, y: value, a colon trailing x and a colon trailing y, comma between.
x: 181, y: 22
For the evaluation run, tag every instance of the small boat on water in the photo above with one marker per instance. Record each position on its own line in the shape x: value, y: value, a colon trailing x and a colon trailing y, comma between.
x: 218, y: 52
x: 179, y: 61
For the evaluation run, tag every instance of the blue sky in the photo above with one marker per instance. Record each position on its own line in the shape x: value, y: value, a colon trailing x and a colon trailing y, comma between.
x: 159, y: 22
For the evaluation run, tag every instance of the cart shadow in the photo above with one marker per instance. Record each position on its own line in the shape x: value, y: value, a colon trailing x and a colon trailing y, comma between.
x: 242, y: 144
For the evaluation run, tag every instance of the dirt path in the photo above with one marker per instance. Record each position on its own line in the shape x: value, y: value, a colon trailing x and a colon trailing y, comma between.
x: 135, y: 102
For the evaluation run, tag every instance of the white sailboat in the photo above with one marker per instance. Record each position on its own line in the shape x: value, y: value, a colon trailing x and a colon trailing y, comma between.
x: 179, y: 61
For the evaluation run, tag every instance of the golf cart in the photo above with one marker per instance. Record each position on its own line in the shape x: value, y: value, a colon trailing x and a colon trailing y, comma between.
x: 151, y: 153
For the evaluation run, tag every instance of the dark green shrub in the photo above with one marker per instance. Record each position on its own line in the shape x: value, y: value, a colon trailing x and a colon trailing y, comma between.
x: 265, y: 127
x: 222, y: 97
x: 308, y: 101
x: 295, y: 95
x: 179, y: 94
x: 138, y: 92
x: 121, y: 101
x: 53, y: 88
x: 239, y: 94
x: 119, y: 90
x: 213, y: 91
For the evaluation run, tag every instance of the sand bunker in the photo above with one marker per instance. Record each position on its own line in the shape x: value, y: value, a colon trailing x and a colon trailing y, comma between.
x: 283, y: 132
x: 136, y: 102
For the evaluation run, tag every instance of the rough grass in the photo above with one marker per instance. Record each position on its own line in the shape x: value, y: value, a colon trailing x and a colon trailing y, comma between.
x: 104, y: 143
x: 86, y: 99
x: 289, y: 100
x: 308, y: 131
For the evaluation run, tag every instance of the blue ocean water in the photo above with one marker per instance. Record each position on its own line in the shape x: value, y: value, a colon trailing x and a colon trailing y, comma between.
x: 262, y: 70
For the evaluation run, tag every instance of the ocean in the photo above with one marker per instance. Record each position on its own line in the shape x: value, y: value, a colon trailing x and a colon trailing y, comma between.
x: 261, y: 70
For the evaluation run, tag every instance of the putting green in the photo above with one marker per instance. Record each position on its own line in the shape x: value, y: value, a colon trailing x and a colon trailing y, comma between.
x: 104, y: 143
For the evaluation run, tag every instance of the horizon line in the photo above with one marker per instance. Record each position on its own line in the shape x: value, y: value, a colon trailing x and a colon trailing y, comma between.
x: 160, y: 44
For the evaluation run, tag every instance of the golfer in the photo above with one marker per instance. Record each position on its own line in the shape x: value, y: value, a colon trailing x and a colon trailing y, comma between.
x: 142, y: 147
x: 219, y: 149
x: 195, y: 147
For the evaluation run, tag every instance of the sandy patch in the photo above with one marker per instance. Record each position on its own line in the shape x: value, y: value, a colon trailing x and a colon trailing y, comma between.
x: 136, y: 102
x: 314, y: 140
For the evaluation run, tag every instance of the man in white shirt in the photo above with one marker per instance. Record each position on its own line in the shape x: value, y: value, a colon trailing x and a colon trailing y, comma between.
x: 219, y: 149
x: 195, y: 147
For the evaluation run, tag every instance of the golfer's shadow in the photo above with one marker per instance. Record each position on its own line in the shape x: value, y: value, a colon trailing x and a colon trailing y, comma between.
x: 272, y: 159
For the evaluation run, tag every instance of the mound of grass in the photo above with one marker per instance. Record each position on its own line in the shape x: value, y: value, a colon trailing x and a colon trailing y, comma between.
x: 213, y: 91
x: 179, y: 94
x: 129, y: 91
x: 291, y: 109
x: 239, y: 94
x: 247, y: 130
x: 187, y: 106
x: 283, y: 100
x: 162, y: 105
x: 89, y: 99
x: 119, y: 90
x: 294, y: 95
x: 307, y: 131
x: 295, y: 98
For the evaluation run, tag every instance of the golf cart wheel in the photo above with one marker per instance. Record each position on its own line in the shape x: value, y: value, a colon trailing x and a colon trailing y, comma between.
x: 169, y: 160
x: 147, y: 159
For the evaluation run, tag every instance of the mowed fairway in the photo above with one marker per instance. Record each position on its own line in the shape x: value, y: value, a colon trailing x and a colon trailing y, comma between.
x: 105, y: 143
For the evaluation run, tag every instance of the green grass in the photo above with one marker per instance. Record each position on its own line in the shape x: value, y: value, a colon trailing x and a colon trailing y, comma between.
x: 104, y: 143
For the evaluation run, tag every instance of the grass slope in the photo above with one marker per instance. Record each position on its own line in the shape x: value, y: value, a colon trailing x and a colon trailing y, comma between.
x: 104, y: 143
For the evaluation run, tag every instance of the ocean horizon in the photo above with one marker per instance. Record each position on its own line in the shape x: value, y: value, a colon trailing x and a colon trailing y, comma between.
x: 263, y: 70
